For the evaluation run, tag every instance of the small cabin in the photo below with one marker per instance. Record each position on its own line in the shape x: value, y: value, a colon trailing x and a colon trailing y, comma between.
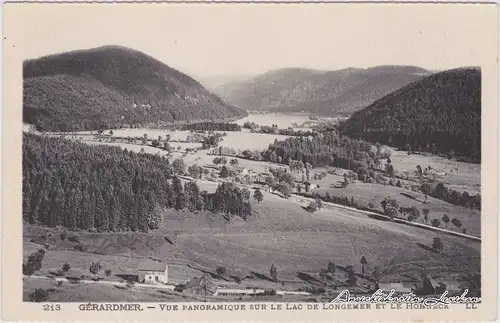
x: 153, y: 272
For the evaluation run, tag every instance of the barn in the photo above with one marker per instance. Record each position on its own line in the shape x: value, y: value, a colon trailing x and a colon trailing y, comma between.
x: 153, y: 272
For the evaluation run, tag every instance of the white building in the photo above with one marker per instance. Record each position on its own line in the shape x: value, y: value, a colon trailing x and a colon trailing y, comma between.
x: 153, y: 272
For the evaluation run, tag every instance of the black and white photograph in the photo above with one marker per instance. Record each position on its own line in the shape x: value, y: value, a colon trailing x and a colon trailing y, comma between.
x: 237, y: 153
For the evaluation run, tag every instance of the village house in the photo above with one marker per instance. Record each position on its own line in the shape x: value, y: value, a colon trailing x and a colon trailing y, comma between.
x: 153, y: 272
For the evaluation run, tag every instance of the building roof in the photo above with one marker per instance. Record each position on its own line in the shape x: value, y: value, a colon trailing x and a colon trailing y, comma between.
x: 151, y: 265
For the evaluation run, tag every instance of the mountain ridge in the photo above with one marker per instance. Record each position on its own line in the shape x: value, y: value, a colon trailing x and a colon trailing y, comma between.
x: 109, y: 86
x: 439, y: 113
x: 318, y: 92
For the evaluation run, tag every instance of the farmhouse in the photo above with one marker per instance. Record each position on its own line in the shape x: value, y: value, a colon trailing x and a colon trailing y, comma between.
x: 153, y: 272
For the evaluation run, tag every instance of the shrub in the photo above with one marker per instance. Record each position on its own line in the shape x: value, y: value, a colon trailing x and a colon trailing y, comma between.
x: 58, y: 273
x: 107, y: 272
x: 95, y: 267
x: 220, y: 270
x: 436, y: 223
x: 34, y: 263
x: 80, y: 247
x: 319, y: 203
x: 437, y: 244
x: 312, y: 207
x: 269, y: 292
x: 63, y: 235
x: 39, y: 295
x: 66, y: 267
x: 74, y: 238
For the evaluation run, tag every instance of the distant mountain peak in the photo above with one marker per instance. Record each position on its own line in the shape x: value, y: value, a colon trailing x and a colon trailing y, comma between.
x: 296, y: 89
x: 93, y: 88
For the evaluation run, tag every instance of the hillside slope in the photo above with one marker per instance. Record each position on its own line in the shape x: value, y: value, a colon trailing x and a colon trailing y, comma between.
x: 318, y: 92
x: 109, y: 86
x: 441, y: 113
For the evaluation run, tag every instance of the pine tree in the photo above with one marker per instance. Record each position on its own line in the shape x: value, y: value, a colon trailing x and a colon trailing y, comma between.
x: 27, y: 193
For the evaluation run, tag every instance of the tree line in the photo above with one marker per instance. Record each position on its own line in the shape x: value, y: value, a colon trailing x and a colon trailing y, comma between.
x: 440, y: 191
x: 329, y: 148
x: 104, y: 188
x: 209, y: 126
x: 274, y: 129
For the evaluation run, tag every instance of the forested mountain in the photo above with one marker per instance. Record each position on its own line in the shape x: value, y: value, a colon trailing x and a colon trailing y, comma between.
x: 327, y: 93
x: 440, y: 113
x: 109, y: 86
x: 105, y: 188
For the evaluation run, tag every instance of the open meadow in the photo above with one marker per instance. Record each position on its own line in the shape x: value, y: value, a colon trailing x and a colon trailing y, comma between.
x: 279, y: 232
x: 459, y: 176
x: 452, y: 174
x: 366, y: 193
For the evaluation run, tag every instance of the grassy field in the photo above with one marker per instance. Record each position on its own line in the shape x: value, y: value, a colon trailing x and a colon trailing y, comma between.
x: 280, y: 232
x: 458, y: 175
x: 365, y: 193
x: 200, y: 157
x: 233, y: 139
x: 247, y: 140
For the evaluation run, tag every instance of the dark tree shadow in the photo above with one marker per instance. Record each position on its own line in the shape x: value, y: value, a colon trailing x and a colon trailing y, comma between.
x: 425, y: 247
x: 237, y: 279
x: 261, y: 276
x: 408, y: 196
x: 413, y: 198
x: 128, y: 277
x: 413, y: 279
x: 169, y: 240
x: 378, y: 217
x: 308, y: 278
x: 306, y: 208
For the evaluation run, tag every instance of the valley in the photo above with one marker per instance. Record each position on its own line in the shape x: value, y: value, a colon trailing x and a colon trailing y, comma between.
x: 140, y: 184
x: 279, y: 232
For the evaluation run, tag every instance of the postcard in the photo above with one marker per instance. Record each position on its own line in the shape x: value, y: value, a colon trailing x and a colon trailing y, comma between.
x: 227, y: 161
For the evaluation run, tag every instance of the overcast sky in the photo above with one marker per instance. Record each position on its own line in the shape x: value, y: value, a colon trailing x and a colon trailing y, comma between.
x: 240, y: 39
